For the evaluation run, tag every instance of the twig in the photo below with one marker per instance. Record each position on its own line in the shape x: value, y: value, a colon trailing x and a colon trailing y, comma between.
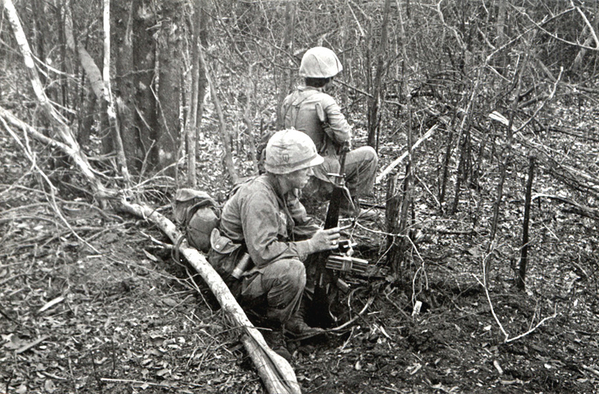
x: 6, y: 316
x: 550, y: 97
x: 131, y: 381
x: 28, y: 153
x: 593, y: 370
x: 507, y: 338
x: 341, y: 327
x: 484, y: 285
x: 534, y: 328
x: 428, y: 190
x: 53, y: 189
x: 395, y: 304
x: 50, y: 304
x: 31, y: 344
x: 538, y: 26
x: 10, y: 279
x: 73, y: 376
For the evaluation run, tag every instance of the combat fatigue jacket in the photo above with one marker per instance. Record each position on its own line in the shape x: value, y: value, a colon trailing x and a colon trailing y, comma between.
x: 300, y: 111
x: 268, y: 224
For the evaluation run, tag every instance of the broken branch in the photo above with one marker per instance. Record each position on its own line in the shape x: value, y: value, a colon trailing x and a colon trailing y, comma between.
x: 397, y: 161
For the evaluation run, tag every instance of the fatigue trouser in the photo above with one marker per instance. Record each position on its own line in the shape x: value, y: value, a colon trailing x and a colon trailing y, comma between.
x: 360, y: 170
x: 282, y: 282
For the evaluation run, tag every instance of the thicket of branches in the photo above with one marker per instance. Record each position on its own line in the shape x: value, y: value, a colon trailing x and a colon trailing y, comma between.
x: 492, y: 77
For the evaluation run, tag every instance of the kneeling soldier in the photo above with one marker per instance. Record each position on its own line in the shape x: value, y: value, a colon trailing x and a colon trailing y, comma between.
x: 265, y: 220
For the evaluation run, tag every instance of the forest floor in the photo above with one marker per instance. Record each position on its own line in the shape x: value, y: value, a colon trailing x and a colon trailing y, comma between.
x: 109, y: 311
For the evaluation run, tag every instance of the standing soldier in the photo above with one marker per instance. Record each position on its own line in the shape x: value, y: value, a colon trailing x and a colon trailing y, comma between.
x: 265, y: 221
x: 311, y: 110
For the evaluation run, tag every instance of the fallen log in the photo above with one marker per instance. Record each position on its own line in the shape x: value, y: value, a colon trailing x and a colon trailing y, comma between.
x: 276, y: 373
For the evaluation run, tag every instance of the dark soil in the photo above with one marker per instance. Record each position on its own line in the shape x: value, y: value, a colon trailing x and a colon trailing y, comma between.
x: 102, y: 307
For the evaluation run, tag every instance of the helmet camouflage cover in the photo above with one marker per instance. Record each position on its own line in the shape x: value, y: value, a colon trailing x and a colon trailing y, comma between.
x: 320, y: 62
x: 290, y: 150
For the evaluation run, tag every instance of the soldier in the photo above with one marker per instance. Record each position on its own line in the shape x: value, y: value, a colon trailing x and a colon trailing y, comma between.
x: 311, y: 110
x: 265, y: 219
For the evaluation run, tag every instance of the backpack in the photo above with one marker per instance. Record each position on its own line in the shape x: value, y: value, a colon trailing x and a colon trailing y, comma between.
x: 196, y: 215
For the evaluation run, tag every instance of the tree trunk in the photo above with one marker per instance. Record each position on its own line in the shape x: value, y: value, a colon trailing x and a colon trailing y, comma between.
x: 198, y: 91
x: 145, y: 105
x: 521, y: 276
x: 86, y: 119
x: 286, y: 81
x: 64, y: 65
x: 39, y: 31
x: 170, y: 60
x: 122, y: 37
x: 396, y: 213
x: 109, y: 99
x: 134, y: 72
x: 501, y: 38
x: 505, y: 158
x: 377, y: 95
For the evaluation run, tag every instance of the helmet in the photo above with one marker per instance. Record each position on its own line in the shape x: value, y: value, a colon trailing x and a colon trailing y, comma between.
x: 290, y: 150
x: 320, y: 62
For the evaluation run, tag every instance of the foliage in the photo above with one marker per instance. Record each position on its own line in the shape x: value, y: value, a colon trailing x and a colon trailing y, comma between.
x: 531, y: 63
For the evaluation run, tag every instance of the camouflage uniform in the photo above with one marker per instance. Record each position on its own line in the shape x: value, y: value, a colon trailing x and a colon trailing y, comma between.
x: 300, y: 111
x: 274, y: 229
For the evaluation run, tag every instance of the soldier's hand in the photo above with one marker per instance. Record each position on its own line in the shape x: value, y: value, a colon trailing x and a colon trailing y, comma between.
x: 326, y: 239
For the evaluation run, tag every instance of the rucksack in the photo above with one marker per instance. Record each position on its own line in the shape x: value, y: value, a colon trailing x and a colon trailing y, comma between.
x: 196, y: 215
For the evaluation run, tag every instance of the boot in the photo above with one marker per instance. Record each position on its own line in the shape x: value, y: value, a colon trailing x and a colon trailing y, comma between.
x: 276, y: 340
x: 298, y: 329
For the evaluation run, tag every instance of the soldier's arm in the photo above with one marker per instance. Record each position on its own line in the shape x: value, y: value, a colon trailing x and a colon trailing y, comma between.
x: 341, y: 130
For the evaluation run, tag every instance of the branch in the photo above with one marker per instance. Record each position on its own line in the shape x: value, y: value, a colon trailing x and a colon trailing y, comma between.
x: 52, y: 200
x: 397, y: 161
x: 70, y: 146
x: 591, y: 29
x: 506, y: 335
x: 513, y: 40
x: 100, y: 192
x: 538, y: 26
x: 583, y: 210
x: 539, y: 324
x: 275, y: 371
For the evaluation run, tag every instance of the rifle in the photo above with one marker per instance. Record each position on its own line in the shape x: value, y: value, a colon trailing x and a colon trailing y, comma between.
x: 322, y: 279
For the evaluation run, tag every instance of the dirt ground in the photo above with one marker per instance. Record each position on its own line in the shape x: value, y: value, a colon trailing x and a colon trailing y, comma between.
x: 102, y: 307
